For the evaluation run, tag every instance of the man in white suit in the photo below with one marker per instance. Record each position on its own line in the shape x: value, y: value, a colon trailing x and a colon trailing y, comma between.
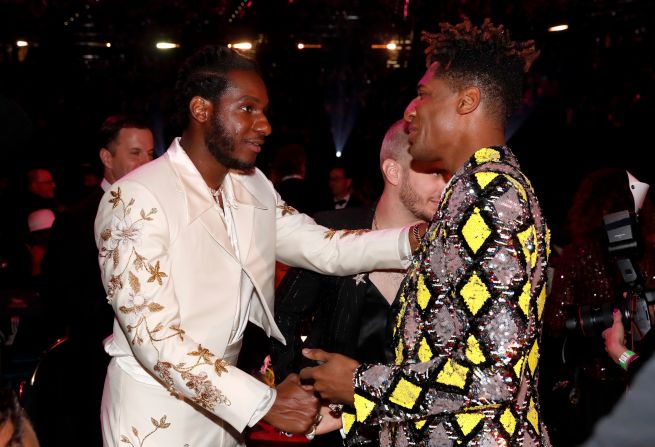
x: 188, y: 245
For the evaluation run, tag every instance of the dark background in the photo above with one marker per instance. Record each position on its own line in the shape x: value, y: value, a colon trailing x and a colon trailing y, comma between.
x: 588, y: 99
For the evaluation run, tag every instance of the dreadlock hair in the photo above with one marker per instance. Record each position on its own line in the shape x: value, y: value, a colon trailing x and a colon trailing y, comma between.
x: 485, y: 57
x: 204, y: 74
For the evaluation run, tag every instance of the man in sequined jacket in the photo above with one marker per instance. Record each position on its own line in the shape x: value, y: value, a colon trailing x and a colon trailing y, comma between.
x: 467, y: 322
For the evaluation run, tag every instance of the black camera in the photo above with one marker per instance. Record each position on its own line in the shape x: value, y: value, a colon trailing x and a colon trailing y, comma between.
x: 622, y: 244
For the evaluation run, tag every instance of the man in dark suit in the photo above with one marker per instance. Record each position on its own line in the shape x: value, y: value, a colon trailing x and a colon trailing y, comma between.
x: 78, y: 303
x: 341, y: 187
x: 349, y: 314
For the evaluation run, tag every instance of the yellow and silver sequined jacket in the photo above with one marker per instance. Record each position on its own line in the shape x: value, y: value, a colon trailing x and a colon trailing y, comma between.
x: 467, y: 322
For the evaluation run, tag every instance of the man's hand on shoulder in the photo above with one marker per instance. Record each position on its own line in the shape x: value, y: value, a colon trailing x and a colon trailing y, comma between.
x: 295, y: 407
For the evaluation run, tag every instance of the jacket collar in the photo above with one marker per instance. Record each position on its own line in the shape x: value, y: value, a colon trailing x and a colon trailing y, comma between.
x: 198, y: 197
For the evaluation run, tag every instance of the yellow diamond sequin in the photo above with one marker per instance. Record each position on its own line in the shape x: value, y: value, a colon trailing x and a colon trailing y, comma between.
x: 484, y: 178
x: 518, y: 186
x: 475, y: 294
x: 468, y: 421
x: 475, y: 230
x: 363, y: 407
x: 399, y: 353
x: 518, y: 366
x: 401, y: 313
x: 509, y: 421
x: 444, y: 199
x: 348, y: 420
x: 541, y: 301
x: 487, y: 154
x: 420, y: 423
x: 405, y: 393
x: 473, y: 351
x: 547, y: 242
x: 533, y: 358
x: 453, y: 374
x: 422, y: 294
x: 424, y: 351
x: 533, y: 416
x: 524, y: 299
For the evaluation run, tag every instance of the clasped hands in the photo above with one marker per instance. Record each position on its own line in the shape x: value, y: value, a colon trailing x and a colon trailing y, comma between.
x: 297, y: 409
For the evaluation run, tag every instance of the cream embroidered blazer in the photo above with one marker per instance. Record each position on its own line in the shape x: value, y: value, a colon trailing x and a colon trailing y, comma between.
x: 173, y: 279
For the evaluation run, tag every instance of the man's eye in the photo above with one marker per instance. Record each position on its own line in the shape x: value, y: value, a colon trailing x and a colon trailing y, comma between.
x: 247, y: 108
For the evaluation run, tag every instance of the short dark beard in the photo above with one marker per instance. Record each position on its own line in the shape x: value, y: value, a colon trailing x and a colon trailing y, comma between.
x: 221, y: 146
x: 411, y: 201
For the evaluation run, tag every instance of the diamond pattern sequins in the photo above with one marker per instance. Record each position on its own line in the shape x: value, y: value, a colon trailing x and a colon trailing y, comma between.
x: 468, y: 320
x: 453, y: 374
x: 405, y: 393
x: 475, y: 293
x: 475, y: 231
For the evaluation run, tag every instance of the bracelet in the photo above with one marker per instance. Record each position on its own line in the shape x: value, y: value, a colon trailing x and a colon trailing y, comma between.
x: 416, y: 234
x: 625, y: 358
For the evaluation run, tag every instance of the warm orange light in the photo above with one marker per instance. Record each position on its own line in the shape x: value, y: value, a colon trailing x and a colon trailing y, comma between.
x: 556, y: 28
x: 240, y: 45
x: 304, y: 46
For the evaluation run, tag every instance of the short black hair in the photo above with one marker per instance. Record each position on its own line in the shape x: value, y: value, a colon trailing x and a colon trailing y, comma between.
x: 112, y: 126
x: 204, y: 74
x: 483, y: 56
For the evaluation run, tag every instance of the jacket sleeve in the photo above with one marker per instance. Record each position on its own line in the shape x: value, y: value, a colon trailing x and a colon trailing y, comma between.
x: 132, y: 232
x: 303, y: 243
x: 493, y: 306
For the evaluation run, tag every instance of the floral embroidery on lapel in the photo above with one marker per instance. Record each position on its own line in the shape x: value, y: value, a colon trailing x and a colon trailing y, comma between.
x: 287, y: 209
x: 123, y: 235
x: 161, y: 423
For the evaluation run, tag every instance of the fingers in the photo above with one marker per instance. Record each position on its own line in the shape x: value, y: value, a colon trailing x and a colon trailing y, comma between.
x: 293, y: 377
x: 617, y: 316
x: 307, y: 373
x: 316, y: 354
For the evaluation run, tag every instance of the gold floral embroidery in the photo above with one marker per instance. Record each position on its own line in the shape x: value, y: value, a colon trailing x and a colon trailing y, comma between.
x: 287, y: 209
x: 355, y: 232
x: 330, y: 233
x: 159, y: 424
x: 122, y: 237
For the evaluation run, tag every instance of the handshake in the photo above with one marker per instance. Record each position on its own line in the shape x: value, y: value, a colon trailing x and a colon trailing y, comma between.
x: 298, y: 410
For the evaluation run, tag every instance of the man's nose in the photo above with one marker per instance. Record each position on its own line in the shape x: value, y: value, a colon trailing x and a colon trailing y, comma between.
x: 263, y: 126
x: 410, y: 111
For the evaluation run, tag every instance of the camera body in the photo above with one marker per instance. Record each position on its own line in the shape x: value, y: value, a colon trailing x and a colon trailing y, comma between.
x: 623, y: 246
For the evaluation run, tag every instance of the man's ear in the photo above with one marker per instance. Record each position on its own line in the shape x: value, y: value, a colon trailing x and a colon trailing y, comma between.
x: 469, y: 100
x: 106, y: 158
x: 391, y: 171
x: 200, y: 109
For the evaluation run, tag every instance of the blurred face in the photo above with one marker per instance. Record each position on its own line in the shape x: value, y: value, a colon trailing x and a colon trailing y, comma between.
x: 239, y: 125
x: 420, y: 190
x: 339, y: 183
x: 432, y: 119
x: 132, y: 148
x: 42, y: 184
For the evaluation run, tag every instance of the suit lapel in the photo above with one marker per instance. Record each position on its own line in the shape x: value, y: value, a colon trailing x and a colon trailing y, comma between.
x: 242, y: 204
x: 200, y: 204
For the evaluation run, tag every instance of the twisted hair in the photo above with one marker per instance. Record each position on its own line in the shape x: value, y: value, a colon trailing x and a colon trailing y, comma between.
x: 204, y: 74
x: 483, y: 56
